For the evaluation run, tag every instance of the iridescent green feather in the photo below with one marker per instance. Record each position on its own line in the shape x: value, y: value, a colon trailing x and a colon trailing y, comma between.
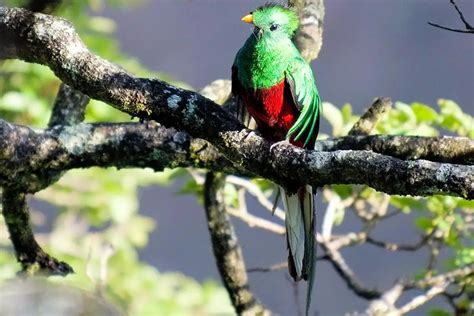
x: 306, y: 93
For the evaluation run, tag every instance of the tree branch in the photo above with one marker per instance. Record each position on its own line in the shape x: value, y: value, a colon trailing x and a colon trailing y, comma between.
x: 457, y: 150
x: 419, y: 300
x: 435, y: 285
x: 341, y: 267
x: 469, y: 28
x: 400, y: 247
x: 461, y: 16
x: 60, y: 48
x: 450, y: 277
x: 29, y: 254
x: 227, y: 250
x: 69, y: 107
x: 309, y: 37
x: 39, y: 158
x: 367, y: 122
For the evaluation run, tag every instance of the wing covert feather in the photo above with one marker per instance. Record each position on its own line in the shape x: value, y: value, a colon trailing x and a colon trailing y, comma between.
x: 300, y: 79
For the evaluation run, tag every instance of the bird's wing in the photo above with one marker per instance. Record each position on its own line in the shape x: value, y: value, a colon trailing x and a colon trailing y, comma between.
x: 300, y: 80
x: 239, y: 110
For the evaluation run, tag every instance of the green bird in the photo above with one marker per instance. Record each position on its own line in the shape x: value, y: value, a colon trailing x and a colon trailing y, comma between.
x: 276, y: 86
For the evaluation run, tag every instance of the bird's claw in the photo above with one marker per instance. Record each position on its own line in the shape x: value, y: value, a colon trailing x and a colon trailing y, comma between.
x: 272, y: 147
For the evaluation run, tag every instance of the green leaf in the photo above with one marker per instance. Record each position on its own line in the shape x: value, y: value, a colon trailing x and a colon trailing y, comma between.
x: 449, y: 107
x: 343, y: 190
x: 424, y: 223
x: 265, y: 185
x: 468, y: 204
x: 14, y: 101
x: 464, y: 256
x: 442, y: 224
x: 407, y: 115
x: 438, y: 312
x: 424, y: 113
x: 406, y: 204
x: 424, y: 129
x: 191, y: 186
x: 453, y: 118
x: 346, y: 112
x: 231, y: 195
x: 339, y: 216
x: 102, y: 24
x: 138, y: 229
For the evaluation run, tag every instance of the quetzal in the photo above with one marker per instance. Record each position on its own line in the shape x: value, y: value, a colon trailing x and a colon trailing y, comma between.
x: 276, y: 86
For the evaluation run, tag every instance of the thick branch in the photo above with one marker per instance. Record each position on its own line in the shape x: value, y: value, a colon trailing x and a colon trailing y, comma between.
x: 459, y: 150
x: 227, y: 250
x: 218, y: 91
x: 69, y: 107
x: 39, y: 158
x: 309, y: 37
x: 52, y: 41
x: 36, y: 159
x: 32, y: 258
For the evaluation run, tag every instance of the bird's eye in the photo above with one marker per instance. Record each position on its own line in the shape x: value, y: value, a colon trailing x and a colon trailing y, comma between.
x: 273, y: 27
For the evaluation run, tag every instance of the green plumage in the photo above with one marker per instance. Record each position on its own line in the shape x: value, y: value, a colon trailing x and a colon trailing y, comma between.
x: 300, y: 73
x: 266, y: 60
x: 275, y: 85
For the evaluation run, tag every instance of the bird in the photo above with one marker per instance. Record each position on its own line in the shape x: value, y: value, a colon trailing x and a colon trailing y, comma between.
x: 274, y: 85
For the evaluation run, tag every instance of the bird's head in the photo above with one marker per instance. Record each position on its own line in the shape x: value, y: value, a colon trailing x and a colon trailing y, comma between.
x: 273, y: 21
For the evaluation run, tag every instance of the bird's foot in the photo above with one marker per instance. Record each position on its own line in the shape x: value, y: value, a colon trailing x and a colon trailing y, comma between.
x: 285, y: 142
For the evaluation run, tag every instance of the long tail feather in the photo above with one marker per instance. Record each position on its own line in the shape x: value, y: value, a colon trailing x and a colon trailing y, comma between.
x: 300, y: 220
x: 310, y: 251
x: 294, y: 232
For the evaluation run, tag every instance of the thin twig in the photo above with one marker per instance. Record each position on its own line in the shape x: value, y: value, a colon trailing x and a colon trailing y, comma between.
x: 450, y: 28
x: 461, y: 16
x: 369, y: 119
x: 254, y: 190
x: 469, y: 28
x: 274, y: 267
x: 422, y: 299
x: 400, y: 247
x: 450, y: 276
x: 345, y: 272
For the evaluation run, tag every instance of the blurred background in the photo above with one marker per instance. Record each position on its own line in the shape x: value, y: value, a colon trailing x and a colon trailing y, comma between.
x: 371, y: 48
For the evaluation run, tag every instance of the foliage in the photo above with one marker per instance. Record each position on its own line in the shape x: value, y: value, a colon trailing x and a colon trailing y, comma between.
x: 451, y: 217
x: 99, y: 226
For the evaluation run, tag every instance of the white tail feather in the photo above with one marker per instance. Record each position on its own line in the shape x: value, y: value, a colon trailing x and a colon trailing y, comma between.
x: 295, y: 228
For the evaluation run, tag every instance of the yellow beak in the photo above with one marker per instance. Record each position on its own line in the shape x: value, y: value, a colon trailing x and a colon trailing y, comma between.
x: 248, y: 18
